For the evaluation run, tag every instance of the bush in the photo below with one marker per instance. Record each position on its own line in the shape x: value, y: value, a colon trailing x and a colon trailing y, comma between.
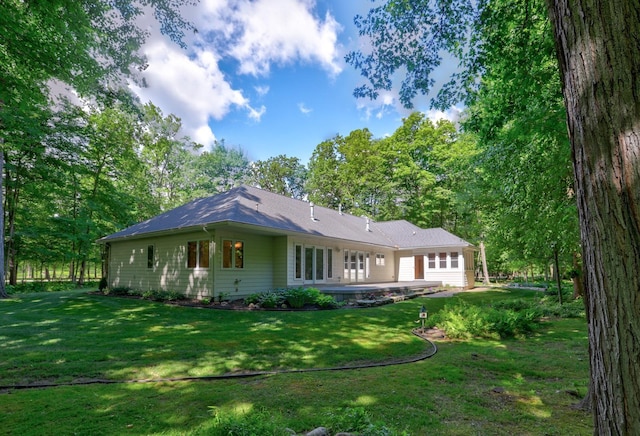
x: 261, y: 422
x: 46, y: 286
x: 297, y: 297
x: 119, y: 290
x: 271, y: 299
x: 357, y: 420
x: 103, y: 284
x: 464, y: 321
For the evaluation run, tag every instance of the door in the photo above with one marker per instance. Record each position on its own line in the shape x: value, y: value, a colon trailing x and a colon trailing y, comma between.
x: 314, y: 265
x: 419, y: 267
x: 361, y: 269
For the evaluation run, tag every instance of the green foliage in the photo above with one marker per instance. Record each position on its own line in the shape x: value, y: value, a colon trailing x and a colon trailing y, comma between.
x: 280, y: 174
x: 295, y: 298
x: 502, y: 319
x: 156, y: 295
x: 357, y: 420
x: 46, y: 286
x: 464, y: 320
x: 223, y: 296
x: 103, y: 284
x: 254, y: 423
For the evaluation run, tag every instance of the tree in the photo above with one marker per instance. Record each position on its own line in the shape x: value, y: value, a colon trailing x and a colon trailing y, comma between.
x: 86, y: 44
x: 220, y: 169
x: 323, y: 182
x: 281, y: 175
x: 600, y: 72
x: 600, y: 69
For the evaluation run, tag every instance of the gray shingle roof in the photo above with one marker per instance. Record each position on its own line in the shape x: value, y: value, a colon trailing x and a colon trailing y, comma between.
x: 255, y: 207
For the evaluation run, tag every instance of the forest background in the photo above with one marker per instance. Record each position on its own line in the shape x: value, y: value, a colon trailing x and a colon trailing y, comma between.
x: 502, y: 177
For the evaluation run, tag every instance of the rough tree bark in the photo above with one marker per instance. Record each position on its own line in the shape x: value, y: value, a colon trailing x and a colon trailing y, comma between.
x: 599, y: 55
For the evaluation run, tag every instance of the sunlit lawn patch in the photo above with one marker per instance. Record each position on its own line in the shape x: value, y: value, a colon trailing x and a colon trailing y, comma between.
x: 516, y: 386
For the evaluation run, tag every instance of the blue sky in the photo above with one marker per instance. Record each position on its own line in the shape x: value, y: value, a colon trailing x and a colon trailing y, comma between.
x: 267, y: 76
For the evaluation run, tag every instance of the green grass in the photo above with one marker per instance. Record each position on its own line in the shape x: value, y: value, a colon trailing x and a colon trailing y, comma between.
x: 67, y: 336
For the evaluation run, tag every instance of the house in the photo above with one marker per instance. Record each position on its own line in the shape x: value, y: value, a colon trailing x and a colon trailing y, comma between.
x: 248, y: 240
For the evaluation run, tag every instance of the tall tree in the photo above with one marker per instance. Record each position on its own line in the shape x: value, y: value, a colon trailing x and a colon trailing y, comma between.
x: 600, y: 71
x: 323, y: 184
x: 281, y: 175
x: 597, y: 50
x: 220, y: 169
x: 86, y: 44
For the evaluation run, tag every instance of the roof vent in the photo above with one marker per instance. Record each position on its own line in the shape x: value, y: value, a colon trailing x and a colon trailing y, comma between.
x: 368, y: 224
x: 313, y: 217
x: 340, y: 208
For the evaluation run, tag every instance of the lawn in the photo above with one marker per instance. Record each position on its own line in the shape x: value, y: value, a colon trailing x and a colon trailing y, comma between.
x: 520, y: 386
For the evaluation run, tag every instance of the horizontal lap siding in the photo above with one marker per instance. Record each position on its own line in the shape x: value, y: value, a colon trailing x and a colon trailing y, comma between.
x: 128, y: 266
x: 257, y: 274
x: 449, y: 277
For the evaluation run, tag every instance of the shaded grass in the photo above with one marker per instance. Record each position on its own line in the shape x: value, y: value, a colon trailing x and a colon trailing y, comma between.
x: 76, y: 335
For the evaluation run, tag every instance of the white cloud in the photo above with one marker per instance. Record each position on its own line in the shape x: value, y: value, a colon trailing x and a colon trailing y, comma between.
x: 452, y: 114
x: 304, y: 109
x: 261, y: 90
x: 255, y: 33
x: 282, y: 32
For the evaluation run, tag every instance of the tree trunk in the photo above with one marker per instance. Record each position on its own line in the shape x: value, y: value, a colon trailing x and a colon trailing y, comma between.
x: 3, y: 290
x: 485, y: 270
x: 597, y: 47
x: 576, y: 277
x: 557, y: 274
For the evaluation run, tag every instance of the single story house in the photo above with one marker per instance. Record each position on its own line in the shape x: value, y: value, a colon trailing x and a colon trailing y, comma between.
x: 248, y: 240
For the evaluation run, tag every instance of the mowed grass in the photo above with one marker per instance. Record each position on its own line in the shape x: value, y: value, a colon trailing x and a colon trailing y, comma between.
x: 481, y: 387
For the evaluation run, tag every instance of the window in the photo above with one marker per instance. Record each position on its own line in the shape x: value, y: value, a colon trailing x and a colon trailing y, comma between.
x: 298, y: 271
x: 329, y: 263
x: 319, y: 264
x: 232, y: 254
x: 150, y: 256
x: 308, y: 263
x: 379, y: 259
x: 443, y: 260
x: 454, y: 259
x: 198, y: 254
x: 432, y: 260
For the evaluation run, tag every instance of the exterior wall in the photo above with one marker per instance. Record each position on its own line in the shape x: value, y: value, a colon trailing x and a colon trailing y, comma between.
x: 449, y: 276
x: 128, y: 265
x: 469, y: 269
x: 280, y: 261
x: 257, y: 274
x: 262, y: 255
x: 374, y: 273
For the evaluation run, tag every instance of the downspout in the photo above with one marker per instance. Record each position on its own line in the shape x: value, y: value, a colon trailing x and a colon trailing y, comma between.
x: 212, y: 251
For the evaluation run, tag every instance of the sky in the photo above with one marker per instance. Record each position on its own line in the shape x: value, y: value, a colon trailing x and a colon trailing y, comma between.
x: 268, y: 76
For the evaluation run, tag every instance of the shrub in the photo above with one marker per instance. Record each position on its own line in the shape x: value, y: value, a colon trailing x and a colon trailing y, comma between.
x: 271, y: 299
x: 357, y: 420
x: 149, y: 295
x: 103, y: 284
x: 119, y: 290
x: 259, y: 422
x: 463, y: 321
x: 297, y: 297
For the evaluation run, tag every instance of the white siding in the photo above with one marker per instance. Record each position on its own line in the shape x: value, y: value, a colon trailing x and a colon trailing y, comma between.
x: 449, y: 276
x: 406, y: 267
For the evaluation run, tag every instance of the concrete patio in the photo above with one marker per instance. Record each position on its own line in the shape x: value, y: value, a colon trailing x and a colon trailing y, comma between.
x: 357, y: 291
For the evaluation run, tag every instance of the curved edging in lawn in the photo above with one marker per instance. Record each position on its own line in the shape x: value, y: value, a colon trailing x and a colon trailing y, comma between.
x: 425, y: 355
